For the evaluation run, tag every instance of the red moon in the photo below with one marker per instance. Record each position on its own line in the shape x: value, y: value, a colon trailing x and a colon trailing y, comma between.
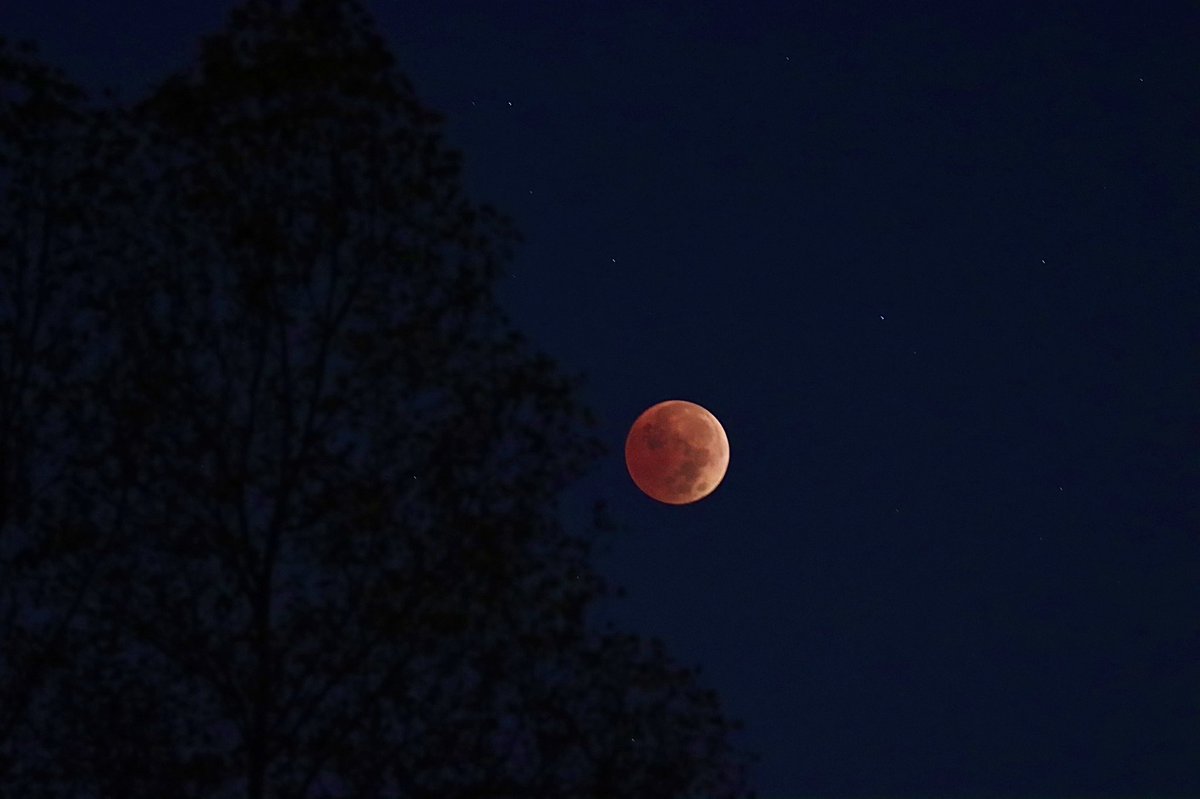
x: 677, y: 452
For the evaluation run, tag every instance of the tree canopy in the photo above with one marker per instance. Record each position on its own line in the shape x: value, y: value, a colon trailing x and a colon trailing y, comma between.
x: 297, y: 471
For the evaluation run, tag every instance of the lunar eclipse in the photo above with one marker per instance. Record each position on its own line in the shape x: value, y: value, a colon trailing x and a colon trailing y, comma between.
x: 677, y: 452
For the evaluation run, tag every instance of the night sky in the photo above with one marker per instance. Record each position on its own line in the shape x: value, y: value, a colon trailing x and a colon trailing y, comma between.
x: 936, y: 272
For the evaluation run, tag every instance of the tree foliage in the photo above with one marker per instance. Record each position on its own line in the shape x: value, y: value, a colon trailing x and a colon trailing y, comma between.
x: 321, y: 483
x: 56, y: 209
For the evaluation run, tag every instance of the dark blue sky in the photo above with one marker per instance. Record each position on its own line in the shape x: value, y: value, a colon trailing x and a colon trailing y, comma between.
x: 935, y: 271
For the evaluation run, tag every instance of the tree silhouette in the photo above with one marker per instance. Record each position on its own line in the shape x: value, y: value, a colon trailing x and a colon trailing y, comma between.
x: 55, y: 209
x: 322, y: 485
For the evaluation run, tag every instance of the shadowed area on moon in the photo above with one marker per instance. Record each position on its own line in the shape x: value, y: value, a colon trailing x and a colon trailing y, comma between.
x: 677, y: 452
